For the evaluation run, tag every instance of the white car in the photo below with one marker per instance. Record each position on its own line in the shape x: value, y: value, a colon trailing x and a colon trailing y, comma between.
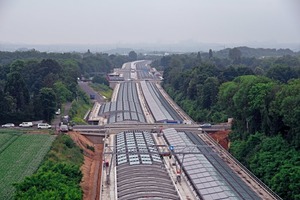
x: 57, y: 112
x: 64, y: 128
x: 8, y: 125
x: 43, y: 126
x: 26, y: 124
x: 207, y: 125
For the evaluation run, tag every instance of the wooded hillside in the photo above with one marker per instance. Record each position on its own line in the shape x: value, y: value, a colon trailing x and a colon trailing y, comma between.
x: 263, y: 97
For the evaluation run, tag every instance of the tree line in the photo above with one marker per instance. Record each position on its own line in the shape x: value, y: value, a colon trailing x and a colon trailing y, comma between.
x: 260, y: 94
x: 34, y: 84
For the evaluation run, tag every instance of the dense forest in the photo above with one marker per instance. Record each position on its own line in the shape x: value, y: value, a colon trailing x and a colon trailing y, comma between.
x: 262, y: 95
x: 34, y: 84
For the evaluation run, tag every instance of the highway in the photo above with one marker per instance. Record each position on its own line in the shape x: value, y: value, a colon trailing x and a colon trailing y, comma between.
x: 88, y: 90
x: 142, y: 106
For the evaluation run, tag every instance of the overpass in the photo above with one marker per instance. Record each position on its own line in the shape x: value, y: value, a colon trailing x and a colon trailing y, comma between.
x: 114, y: 128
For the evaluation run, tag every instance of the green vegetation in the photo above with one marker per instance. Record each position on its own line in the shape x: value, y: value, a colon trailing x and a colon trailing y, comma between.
x: 101, y: 85
x: 58, y: 177
x: 64, y: 150
x: 273, y: 160
x: 132, y: 56
x: 262, y: 95
x: 90, y: 147
x: 79, y: 108
x: 100, y: 80
x: 33, y: 90
x: 7, y: 137
x: 104, y: 90
x: 20, y: 156
x: 34, y: 84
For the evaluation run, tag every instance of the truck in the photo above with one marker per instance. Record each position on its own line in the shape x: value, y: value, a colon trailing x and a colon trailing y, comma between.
x: 65, y: 119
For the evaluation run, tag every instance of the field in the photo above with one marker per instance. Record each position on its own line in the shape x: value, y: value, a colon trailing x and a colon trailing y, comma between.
x: 20, y: 156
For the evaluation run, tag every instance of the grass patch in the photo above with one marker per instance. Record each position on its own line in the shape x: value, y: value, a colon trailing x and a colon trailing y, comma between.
x: 78, y: 111
x: 104, y: 90
x: 65, y: 150
x: 90, y: 148
x: 20, y: 156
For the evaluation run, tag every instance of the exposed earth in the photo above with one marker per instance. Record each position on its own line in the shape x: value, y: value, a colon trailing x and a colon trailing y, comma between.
x: 92, y: 167
x: 221, y: 137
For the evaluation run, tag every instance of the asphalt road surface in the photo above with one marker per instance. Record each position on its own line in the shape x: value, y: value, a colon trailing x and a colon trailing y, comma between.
x: 88, y: 90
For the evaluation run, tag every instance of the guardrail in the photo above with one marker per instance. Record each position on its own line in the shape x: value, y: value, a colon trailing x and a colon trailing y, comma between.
x: 87, y: 114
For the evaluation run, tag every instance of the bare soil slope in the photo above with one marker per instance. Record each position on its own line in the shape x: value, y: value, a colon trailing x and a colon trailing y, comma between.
x: 221, y: 137
x: 92, y: 167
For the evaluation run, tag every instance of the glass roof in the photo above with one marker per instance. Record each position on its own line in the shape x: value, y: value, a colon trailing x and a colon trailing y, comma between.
x: 209, y: 175
x: 140, y: 173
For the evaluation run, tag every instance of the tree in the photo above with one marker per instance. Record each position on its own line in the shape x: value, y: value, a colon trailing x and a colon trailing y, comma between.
x: 243, y: 70
x: 259, y: 71
x: 210, y: 54
x: 244, y: 100
x: 49, y: 66
x: 165, y: 61
x: 199, y: 59
x: 17, y: 66
x: 16, y: 88
x: 282, y: 73
x: 62, y: 92
x: 210, y: 92
x: 48, y: 100
x: 260, y: 97
x: 132, y: 55
x: 7, y: 106
x: 287, y: 107
x: 100, y: 79
x: 174, y: 71
x: 192, y: 89
x: 235, y: 55
x: 225, y: 96
x: 286, y: 182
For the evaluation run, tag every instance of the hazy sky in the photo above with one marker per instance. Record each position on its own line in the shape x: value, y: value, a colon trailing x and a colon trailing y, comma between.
x: 149, y: 21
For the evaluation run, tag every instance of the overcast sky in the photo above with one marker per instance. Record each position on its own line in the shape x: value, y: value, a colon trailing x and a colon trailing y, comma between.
x: 149, y: 21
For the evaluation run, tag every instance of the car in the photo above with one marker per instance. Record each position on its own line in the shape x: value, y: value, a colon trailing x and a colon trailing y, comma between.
x: 57, y: 112
x: 8, y: 125
x: 26, y: 124
x: 43, y: 126
x: 206, y: 125
x: 63, y: 128
x: 92, y: 96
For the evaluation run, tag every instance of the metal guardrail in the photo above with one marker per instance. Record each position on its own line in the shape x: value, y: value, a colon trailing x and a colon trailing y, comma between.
x: 87, y: 114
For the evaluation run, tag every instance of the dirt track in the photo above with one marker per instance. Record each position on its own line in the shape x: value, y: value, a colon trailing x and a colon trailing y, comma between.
x: 92, y: 167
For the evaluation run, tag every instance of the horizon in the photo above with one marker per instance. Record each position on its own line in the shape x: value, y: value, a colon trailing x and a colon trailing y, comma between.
x: 148, y: 47
x: 152, y: 23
